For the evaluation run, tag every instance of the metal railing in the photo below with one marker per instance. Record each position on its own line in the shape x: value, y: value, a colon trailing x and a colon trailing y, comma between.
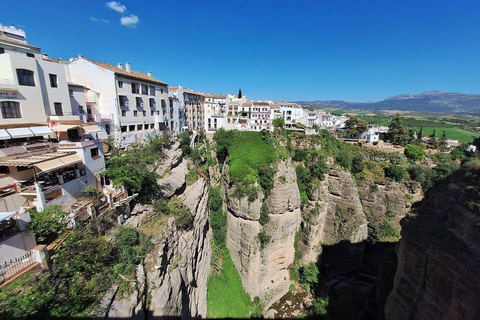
x: 15, y: 266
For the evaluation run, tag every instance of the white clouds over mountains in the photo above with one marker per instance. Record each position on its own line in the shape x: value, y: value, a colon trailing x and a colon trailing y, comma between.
x: 130, y: 21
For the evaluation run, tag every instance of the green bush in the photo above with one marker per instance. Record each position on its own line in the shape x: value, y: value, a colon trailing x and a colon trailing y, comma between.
x: 300, y: 155
x: 264, y: 218
x: 48, y: 224
x: 358, y: 164
x: 184, y: 137
x: 344, y: 159
x: 414, y: 153
x: 397, y: 173
x: 263, y: 238
x: 309, y: 275
x: 319, y: 169
x: 266, y: 176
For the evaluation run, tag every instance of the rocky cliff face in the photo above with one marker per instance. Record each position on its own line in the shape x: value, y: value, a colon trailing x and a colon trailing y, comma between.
x: 438, y: 274
x: 264, y: 272
x: 334, y: 214
x: 178, y: 281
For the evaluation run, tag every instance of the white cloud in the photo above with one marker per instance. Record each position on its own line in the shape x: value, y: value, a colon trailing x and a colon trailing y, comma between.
x: 130, y: 21
x: 99, y: 20
x: 117, y: 6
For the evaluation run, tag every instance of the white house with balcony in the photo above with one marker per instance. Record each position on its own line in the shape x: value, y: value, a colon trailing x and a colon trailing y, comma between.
x: 135, y: 102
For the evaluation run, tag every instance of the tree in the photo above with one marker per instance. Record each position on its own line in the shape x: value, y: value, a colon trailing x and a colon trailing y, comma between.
x: 309, y: 275
x: 397, y: 131
x: 48, y: 224
x: 355, y: 126
x: 239, y: 93
x: 420, y: 134
x: 414, y: 153
x: 433, y: 134
x: 397, y: 173
x: 92, y: 192
x: 279, y: 122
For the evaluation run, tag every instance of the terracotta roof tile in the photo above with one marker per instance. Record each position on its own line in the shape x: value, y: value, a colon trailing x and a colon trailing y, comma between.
x: 123, y: 72
x: 6, y: 39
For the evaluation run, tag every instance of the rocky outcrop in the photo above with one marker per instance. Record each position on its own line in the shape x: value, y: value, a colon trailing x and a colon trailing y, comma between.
x: 264, y: 272
x: 334, y: 214
x: 438, y: 274
x: 179, y: 276
x: 116, y: 304
x: 172, y: 171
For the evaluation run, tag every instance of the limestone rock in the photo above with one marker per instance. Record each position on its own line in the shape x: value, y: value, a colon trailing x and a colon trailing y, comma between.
x: 243, y: 207
x: 285, y: 195
x: 173, y: 180
x: 179, y: 282
x: 438, y: 256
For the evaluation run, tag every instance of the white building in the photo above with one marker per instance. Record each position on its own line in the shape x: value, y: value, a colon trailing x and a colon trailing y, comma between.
x: 177, y: 105
x: 215, y: 111
x: 261, y: 116
x: 194, y: 109
x: 292, y: 112
x: 135, y: 102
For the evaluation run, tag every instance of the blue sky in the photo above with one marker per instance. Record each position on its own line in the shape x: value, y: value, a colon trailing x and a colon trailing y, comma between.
x: 294, y: 50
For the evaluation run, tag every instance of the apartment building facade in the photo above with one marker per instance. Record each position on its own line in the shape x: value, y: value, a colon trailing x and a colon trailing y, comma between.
x: 194, y: 108
x: 135, y: 102
x: 177, y: 109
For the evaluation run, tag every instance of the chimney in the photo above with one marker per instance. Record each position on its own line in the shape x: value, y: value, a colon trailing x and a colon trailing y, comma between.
x: 80, y: 56
x: 127, y: 66
x: 119, y: 65
x: 44, y: 55
x: 149, y: 73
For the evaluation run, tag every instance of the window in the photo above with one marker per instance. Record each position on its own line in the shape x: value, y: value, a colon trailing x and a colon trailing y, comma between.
x: 152, y: 112
x: 120, y: 84
x: 25, y: 77
x: 152, y: 125
x: 94, y: 152
x: 153, y: 104
x: 131, y: 128
x: 163, y: 104
x: 161, y: 90
x: 58, y: 108
x: 30, y: 55
x: 135, y: 113
x: 144, y: 113
x: 2, y: 50
x: 158, y: 112
x: 139, y: 127
x: 144, y: 89
x: 107, y: 128
x: 123, y: 101
x: 10, y: 109
x: 152, y: 91
x: 171, y: 103
x: 124, y: 113
x: 81, y: 109
x: 123, y: 128
x: 53, y: 80
x: 135, y: 88
x: 146, y: 126
x: 139, y: 102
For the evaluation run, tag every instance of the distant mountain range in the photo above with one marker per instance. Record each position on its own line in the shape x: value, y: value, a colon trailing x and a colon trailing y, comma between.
x: 433, y: 101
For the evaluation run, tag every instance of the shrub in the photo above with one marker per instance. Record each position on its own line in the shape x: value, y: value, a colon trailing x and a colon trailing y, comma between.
x: 414, y: 153
x: 266, y: 174
x: 263, y: 238
x: 126, y: 236
x: 397, y: 173
x: 48, y: 224
x: 264, y: 218
x: 319, y: 169
x: 344, y: 159
x: 309, y: 275
x: 300, y: 155
x: 184, y: 137
x: 92, y: 192
x: 358, y: 165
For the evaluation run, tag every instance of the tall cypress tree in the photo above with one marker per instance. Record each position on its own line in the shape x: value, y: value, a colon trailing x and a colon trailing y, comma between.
x: 239, y: 93
x: 420, y: 133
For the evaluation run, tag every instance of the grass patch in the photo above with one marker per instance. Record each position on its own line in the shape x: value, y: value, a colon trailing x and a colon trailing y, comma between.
x: 226, y: 297
x: 451, y: 133
x: 249, y: 150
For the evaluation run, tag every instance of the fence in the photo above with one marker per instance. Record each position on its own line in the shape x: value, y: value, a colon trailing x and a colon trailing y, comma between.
x: 17, y: 265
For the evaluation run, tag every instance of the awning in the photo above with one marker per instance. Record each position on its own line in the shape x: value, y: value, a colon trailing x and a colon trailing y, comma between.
x: 71, y: 159
x: 6, y: 215
x: 41, y: 131
x: 4, y: 135
x: 20, y: 133
x: 8, y: 89
x: 92, y: 129
x: 64, y: 127
x: 50, y: 165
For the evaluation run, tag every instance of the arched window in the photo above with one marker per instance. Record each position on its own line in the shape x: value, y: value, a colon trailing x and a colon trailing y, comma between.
x: 10, y: 109
x: 25, y: 77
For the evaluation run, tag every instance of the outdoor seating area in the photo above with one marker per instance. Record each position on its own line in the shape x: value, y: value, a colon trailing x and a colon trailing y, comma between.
x: 8, y: 226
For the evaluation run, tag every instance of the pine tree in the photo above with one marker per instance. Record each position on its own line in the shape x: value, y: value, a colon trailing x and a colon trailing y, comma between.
x: 239, y: 93
x: 433, y: 134
x: 397, y: 131
x: 444, y: 135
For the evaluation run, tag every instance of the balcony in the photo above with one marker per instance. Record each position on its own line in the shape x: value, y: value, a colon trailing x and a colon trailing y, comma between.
x: 66, y: 116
